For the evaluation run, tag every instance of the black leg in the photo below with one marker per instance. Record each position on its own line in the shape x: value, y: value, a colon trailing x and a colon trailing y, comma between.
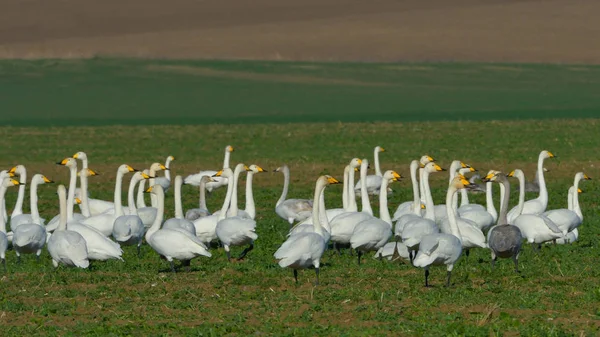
x: 467, y: 253
x: 186, y: 264
x: 139, y: 250
x: 448, y: 281
x: 494, y: 262
x: 336, y: 247
x: 38, y: 258
x: 516, y: 261
x: 359, y: 255
x: 4, y: 263
x: 19, y: 259
x: 172, y: 266
x: 426, y: 278
x: 228, y: 256
x: 296, y: 275
x: 317, y: 273
x: 246, y: 251
x: 411, y: 257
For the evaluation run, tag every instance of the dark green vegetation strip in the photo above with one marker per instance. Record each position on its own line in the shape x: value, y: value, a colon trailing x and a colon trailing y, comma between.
x: 556, y: 294
x: 134, y: 92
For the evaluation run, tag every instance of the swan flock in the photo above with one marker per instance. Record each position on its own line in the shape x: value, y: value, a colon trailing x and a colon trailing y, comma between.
x: 420, y: 231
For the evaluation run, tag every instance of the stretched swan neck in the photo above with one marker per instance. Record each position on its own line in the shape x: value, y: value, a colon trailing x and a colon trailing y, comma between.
x: 2, y: 205
x: 141, y: 203
x: 160, y: 211
x: 323, y: 212
x: 345, y: 188
x: 576, y: 207
x: 489, y: 199
x: 286, y: 184
x: 521, y: 204
x: 168, y: 170
x: 505, y: 192
x: 570, y: 198
x: 364, y: 194
x: 450, y: 213
x: 543, y: 191
x: 384, y: 212
x: 83, y: 181
x: 414, y: 167
x: 21, y: 195
x: 250, y: 207
x: 71, y: 194
x: 315, y: 212
x: 223, y: 213
x: 62, y: 219
x: 349, y: 190
x: 202, y: 201
x: 233, y: 206
x: 130, y: 201
x: 177, y: 192
x: 376, y: 158
x: 421, y: 186
x: 117, y: 195
x: 429, y: 207
x: 33, y: 199
x: 226, y: 159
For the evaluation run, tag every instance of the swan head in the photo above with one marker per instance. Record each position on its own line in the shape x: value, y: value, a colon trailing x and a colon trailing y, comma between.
x: 379, y: 149
x: 582, y: 176
x: 87, y: 173
x: 255, y: 168
x: 426, y: 159
x: 19, y: 170
x: 433, y: 167
x: 125, y: 169
x: 41, y: 179
x: 517, y: 174
x: 6, y: 174
x: 282, y: 168
x: 139, y: 175
x: 229, y: 148
x: 157, y: 167
x: 465, y: 170
x: 391, y: 175
x: 170, y: 158
x: 460, y: 182
x: 225, y: 173
x: 327, y: 180
x: 155, y: 189
x: 8, y: 182
x: 355, y: 163
x: 80, y: 155
x: 68, y: 162
x: 546, y: 154
x: 494, y: 175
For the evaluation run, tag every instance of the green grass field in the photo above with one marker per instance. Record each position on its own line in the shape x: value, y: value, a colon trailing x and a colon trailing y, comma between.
x: 134, y: 92
x: 556, y: 293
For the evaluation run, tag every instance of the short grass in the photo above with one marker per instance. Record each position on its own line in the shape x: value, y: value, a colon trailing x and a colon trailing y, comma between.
x: 556, y: 294
x: 133, y: 92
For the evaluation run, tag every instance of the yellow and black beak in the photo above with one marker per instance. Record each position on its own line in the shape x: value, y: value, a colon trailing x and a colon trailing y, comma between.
x: 332, y: 180
x: 246, y: 168
x: 12, y: 171
x: 131, y: 169
x: 149, y: 189
x: 77, y: 201
x: 46, y: 180
x: 260, y: 169
x: 16, y: 182
x: 218, y: 174
x: 145, y: 176
x: 586, y: 177
x: 511, y: 174
x: 63, y: 162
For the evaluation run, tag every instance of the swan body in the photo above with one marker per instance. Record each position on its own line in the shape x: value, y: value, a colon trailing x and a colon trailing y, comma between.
x: 194, y: 179
x: 165, y: 181
x: 571, y: 217
x: 65, y: 246
x: 411, y: 207
x: 374, y: 180
x: 173, y: 244
x: 71, y: 164
x: 179, y: 221
x: 291, y: 210
x: 539, y: 204
x: 4, y: 184
x: 202, y: 210
x: 34, y: 217
x: 304, y: 250
x: 440, y: 210
x: 393, y: 251
x: 129, y: 229
x: 5, y: 174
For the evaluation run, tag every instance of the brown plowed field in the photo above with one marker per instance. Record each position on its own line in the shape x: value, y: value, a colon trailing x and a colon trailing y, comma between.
x: 374, y: 30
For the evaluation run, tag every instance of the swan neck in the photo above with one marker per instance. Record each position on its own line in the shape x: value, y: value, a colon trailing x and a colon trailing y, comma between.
x: 450, y: 213
x: 364, y: 194
x: 168, y: 170
x: 226, y: 159
x: 350, y: 195
x: 223, y: 213
x: 117, y: 195
x: 323, y: 212
x: 345, y: 187
x: 71, y: 194
x: 160, y: 212
x: 233, y: 205
x: 140, y: 202
x: 202, y: 201
x: 63, y: 208
x: 286, y: 183
x: 384, y: 212
x: 423, y: 196
x: 576, y: 207
x: 316, y: 206
x: 489, y: 199
x: 429, y: 207
x: 2, y: 205
x: 570, y: 198
x: 85, y: 206
x: 151, y: 182
x: 21, y: 196
x: 521, y: 195
x: 505, y: 192
x: 33, y: 199
x: 177, y: 196
x: 130, y: 192
x: 543, y: 197
x: 250, y: 207
x: 464, y: 197
x: 377, y: 166
x: 414, y: 166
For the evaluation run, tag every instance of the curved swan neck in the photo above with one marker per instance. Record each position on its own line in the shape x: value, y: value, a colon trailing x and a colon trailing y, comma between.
x: 421, y: 187
x: 521, y: 195
x: 226, y: 159
x: 429, y: 207
x: 414, y: 166
x: 130, y: 201
x: 71, y: 194
x: 85, y: 206
x: 140, y: 202
x: 323, y: 212
x: 570, y: 198
x: 543, y: 197
x: 352, y: 206
x: 223, y: 213
x: 151, y: 182
x: 489, y: 199
x: 2, y: 194
x: 168, y: 170
x: 160, y: 211
x: 233, y: 206
x: 377, y: 166
x: 286, y: 183
x: 33, y: 199
x: 505, y: 191
x: 450, y: 213
x: 250, y: 207
x: 62, y: 218
x: 117, y: 195
x: 464, y: 197
x: 202, y: 201
x: 576, y: 207
x: 315, y: 212
x: 384, y: 212
x: 177, y: 195
x: 21, y: 196
x: 345, y: 188
x: 364, y: 194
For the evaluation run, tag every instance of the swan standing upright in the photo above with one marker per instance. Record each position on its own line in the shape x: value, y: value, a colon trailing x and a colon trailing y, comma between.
x: 291, y: 209
x: 34, y: 217
x: 539, y: 204
x: 372, y: 234
x: 194, y: 179
x: 165, y: 181
x: 65, y: 246
x: 179, y: 221
x: 4, y: 184
x: 411, y: 207
x: 96, y: 206
x: 202, y: 211
x: 71, y: 164
x: 304, y: 250
x: 234, y: 230
x: 441, y: 248
x: 373, y: 180
x: 569, y: 218
x: 129, y: 229
x: 172, y: 243
x: 504, y: 239
x: 5, y: 174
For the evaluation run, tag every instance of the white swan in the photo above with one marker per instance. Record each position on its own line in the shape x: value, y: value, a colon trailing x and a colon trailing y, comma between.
x: 250, y: 211
x: 539, y: 204
x: 489, y: 201
x: 34, y: 217
x: 373, y: 180
x: 129, y: 229
x: 71, y: 164
x: 66, y: 246
x: 18, y: 210
x: 569, y: 218
x: 442, y: 248
x: 301, y: 228
x: 202, y: 211
x: 179, y: 221
x: 172, y: 243
x: 440, y: 209
x: 4, y: 184
x: 234, y: 230
x: 206, y: 226
x: 342, y: 226
x: 413, y: 206
x: 165, y: 181
x: 155, y: 167
x: 194, y: 179
x: 535, y: 228
x: 423, y: 161
x: 291, y: 209
x: 573, y: 235
x: 411, y: 228
x: 393, y: 251
x: 305, y: 249
x: 96, y: 206
x: 104, y: 222
x: 372, y: 234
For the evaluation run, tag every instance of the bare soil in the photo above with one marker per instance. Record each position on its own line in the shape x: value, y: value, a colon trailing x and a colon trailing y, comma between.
x: 555, y: 31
